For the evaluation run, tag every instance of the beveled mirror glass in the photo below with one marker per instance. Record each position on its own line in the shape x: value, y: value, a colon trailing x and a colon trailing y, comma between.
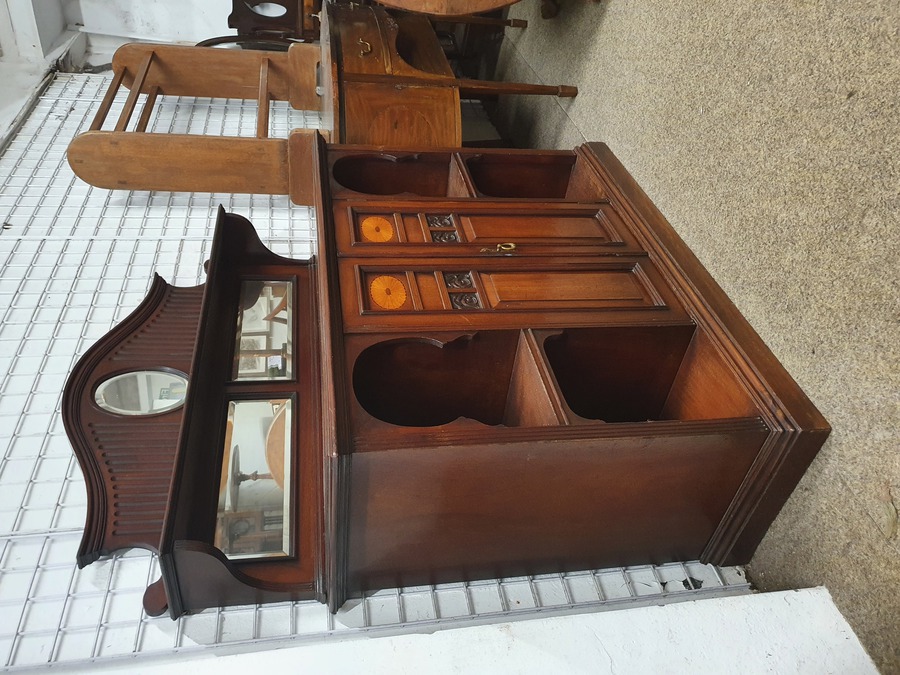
x: 253, y: 518
x: 263, y: 345
x: 142, y: 392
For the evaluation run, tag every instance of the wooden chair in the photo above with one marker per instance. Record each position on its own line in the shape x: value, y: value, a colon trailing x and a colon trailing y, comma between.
x: 134, y: 159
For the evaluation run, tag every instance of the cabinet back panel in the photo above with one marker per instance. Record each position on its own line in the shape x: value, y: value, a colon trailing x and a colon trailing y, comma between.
x: 419, y: 383
x: 426, y: 175
x: 525, y: 177
x: 617, y: 374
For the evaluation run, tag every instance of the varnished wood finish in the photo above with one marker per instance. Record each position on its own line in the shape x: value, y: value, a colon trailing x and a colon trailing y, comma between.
x: 508, y: 363
x: 197, y: 574
x: 154, y: 480
x: 621, y: 419
x: 301, y: 145
x: 396, y: 87
x: 466, y: 229
x: 427, y: 515
x: 799, y: 430
x: 377, y: 79
x: 335, y: 397
x: 304, y: 61
x: 169, y: 161
x: 448, y: 7
x: 127, y: 487
x: 297, y: 21
x: 507, y: 292
x: 203, y: 71
x: 242, y: 165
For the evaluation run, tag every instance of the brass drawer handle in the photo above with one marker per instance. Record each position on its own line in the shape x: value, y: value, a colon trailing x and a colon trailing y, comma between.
x: 506, y: 248
x: 366, y: 47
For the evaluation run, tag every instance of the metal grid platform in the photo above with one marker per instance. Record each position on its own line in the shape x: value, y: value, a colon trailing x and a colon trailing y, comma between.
x: 75, y: 261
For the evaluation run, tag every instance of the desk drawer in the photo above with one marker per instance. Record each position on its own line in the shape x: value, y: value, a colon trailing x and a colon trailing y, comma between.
x: 362, y: 48
x: 503, y: 292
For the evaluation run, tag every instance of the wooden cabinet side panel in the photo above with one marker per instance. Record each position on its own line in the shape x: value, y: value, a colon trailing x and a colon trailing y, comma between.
x: 180, y: 162
x: 800, y: 429
x: 427, y: 515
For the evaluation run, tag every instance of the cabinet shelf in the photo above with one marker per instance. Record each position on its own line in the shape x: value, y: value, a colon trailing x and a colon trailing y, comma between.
x: 539, y: 378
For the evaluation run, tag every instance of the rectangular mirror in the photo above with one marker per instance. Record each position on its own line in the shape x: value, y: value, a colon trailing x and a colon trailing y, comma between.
x: 264, y: 336
x: 253, y: 519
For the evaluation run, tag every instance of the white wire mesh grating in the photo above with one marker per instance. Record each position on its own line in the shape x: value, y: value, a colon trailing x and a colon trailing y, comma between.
x: 75, y: 261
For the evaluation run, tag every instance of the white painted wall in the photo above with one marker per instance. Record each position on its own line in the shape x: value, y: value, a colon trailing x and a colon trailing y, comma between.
x: 160, y: 20
x: 32, y: 36
x: 32, y: 33
x: 33, y: 28
x: 8, y: 47
x: 50, y: 23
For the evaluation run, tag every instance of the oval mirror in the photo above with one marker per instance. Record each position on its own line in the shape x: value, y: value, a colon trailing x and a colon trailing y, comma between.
x: 142, y: 392
x: 271, y: 9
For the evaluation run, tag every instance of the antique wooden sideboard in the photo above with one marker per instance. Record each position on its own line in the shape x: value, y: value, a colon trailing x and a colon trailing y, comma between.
x: 498, y: 362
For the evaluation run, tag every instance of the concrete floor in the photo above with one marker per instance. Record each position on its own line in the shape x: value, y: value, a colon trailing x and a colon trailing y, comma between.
x: 768, y: 133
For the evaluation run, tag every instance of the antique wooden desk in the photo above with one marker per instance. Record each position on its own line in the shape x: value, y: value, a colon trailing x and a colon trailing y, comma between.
x: 376, y: 79
x: 497, y: 363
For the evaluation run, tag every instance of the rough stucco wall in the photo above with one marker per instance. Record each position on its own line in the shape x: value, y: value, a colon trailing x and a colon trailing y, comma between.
x: 767, y: 132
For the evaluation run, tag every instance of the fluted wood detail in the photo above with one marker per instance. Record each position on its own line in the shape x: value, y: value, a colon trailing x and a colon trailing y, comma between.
x: 127, y: 461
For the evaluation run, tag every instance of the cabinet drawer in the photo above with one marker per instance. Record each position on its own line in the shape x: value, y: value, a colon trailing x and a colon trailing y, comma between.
x: 466, y: 230
x: 362, y: 48
x: 504, y: 293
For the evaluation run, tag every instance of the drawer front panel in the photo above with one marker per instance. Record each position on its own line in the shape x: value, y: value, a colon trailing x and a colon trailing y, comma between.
x: 573, y: 229
x: 372, y: 231
x: 566, y: 290
x: 503, y: 293
x: 361, y: 43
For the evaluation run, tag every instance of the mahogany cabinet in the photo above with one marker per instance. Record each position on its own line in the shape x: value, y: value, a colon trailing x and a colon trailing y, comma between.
x: 498, y: 362
x: 537, y: 375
